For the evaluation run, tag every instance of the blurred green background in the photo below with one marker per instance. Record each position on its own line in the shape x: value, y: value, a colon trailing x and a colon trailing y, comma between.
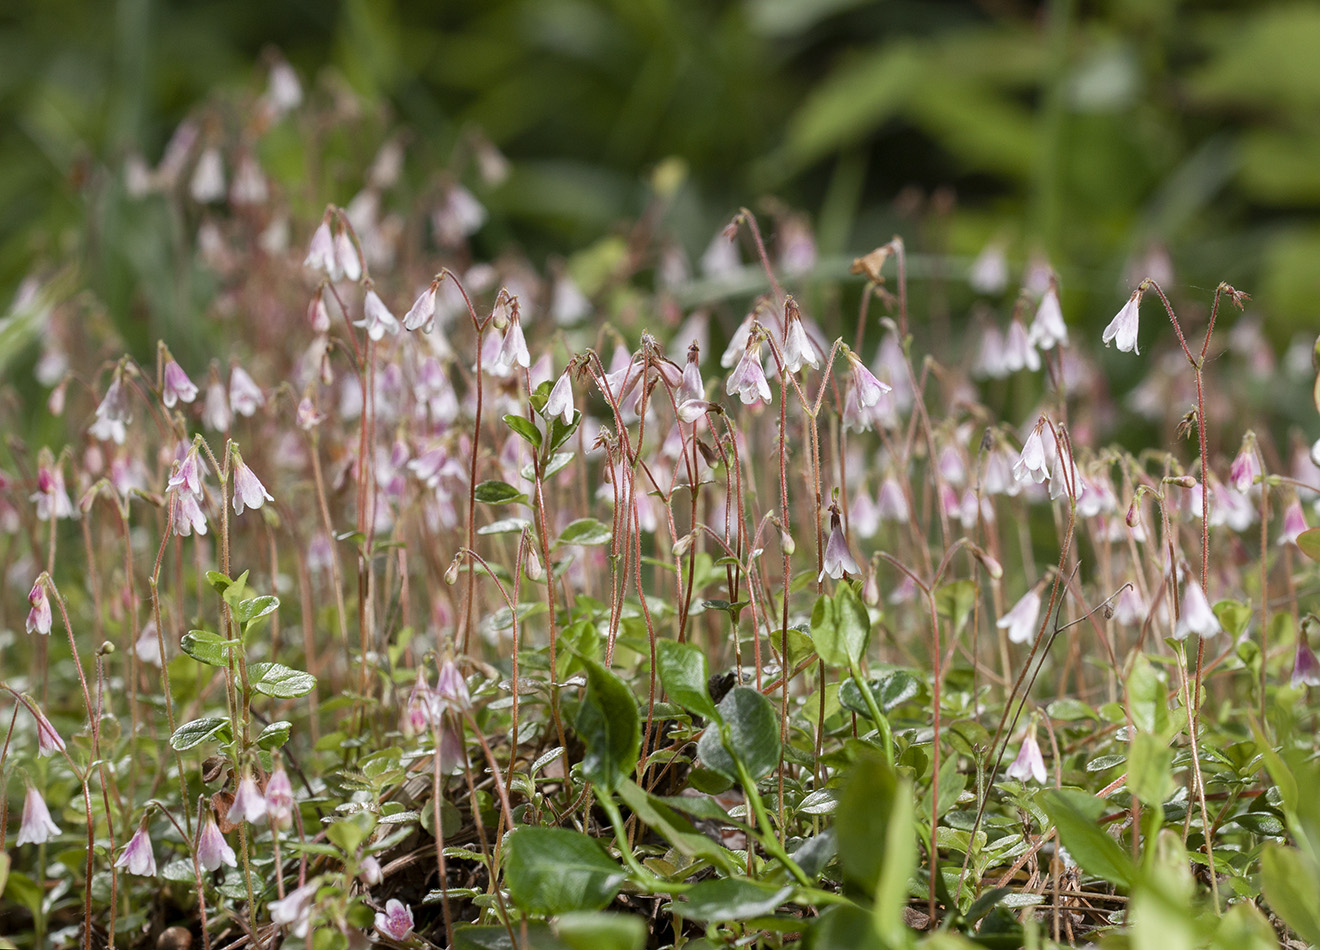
x: 1091, y: 131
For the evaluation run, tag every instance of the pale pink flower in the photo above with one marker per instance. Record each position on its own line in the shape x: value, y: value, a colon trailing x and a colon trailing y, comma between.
x: 248, y: 490
x: 370, y: 871
x: 869, y: 388
x: 249, y: 804
x: 799, y: 351
x: 421, y: 315
x: 208, y: 180
x: 1029, y: 763
x: 1196, y: 615
x: 1032, y: 463
x: 37, y: 827
x: 451, y: 690
x: 1306, y: 670
x: 346, y: 255
x: 1048, y: 329
x: 321, y: 251
x: 691, y: 395
x: 989, y: 272
x: 416, y: 716
x: 376, y: 317
x: 458, y: 216
x: 113, y: 414
x: 137, y: 856
x: 1246, y: 467
x: 1019, y: 353
x: 147, y: 645
x: 245, y: 396
x: 177, y: 387
x: 1129, y: 607
x: 48, y: 740
x: 212, y: 848
x: 215, y: 411
x: 747, y: 381
x: 279, y: 798
x: 560, y: 401
x: 838, y: 559
x: 513, y: 348
x: 39, y: 617
x: 1020, y: 621
x: 188, y: 514
x: 1123, y: 328
x: 295, y: 910
x: 397, y: 921
x: 1294, y: 523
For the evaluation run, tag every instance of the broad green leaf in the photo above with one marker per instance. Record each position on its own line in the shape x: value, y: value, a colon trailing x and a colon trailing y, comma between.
x: 504, y: 526
x: 554, y: 464
x: 5, y: 862
x: 891, y: 689
x: 955, y: 601
x: 554, y: 871
x: 1290, y: 883
x: 525, y: 428
x: 1234, y: 616
x: 610, y: 726
x: 274, y: 735
x: 207, y: 647
x: 876, y: 830
x: 253, y: 609
x: 350, y: 832
x: 600, y: 930
x: 498, y: 493
x: 684, y: 673
x: 279, y: 681
x: 730, y: 899
x: 560, y: 432
x: 194, y: 733
x: 1309, y: 540
x: 663, y: 819
x: 585, y: 531
x: 496, y: 937
x: 1076, y: 815
x: 840, y: 628
x: 1147, y: 697
x: 749, y: 731
x: 1150, y: 768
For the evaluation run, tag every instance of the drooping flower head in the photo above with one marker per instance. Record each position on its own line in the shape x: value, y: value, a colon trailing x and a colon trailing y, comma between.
x: 1029, y: 764
x: 113, y: 414
x: 1020, y: 621
x: 376, y: 317
x: 279, y: 798
x: 691, y: 396
x: 137, y: 856
x: 39, y: 616
x: 38, y: 827
x: 48, y: 740
x: 1246, y: 466
x: 1122, y: 330
x: 212, y: 848
x: 837, y: 559
x: 321, y: 251
x: 248, y: 490
x: 451, y: 689
x: 869, y: 387
x: 176, y: 387
x: 1033, y: 462
x: 1196, y: 615
x: 799, y: 351
x: 245, y: 396
x: 747, y: 381
x: 295, y: 910
x: 1306, y: 668
x: 560, y: 401
x: 421, y: 315
x: 513, y: 348
x: 1048, y: 329
x: 249, y: 804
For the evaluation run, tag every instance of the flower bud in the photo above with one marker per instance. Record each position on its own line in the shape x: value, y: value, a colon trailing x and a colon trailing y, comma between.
x: 451, y: 572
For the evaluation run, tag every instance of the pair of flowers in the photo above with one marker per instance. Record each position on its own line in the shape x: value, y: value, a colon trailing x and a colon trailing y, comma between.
x: 185, y: 488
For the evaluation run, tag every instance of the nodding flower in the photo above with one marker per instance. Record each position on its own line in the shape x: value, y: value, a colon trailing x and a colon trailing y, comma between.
x: 279, y: 798
x: 176, y: 387
x: 1196, y: 615
x: 798, y: 348
x: 39, y: 617
x: 1048, y: 328
x: 248, y: 490
x: 245, y: 396
x: 48, y: 740
x: 212, y: 848
x: 1123, y: 328
x: 113, y: 414
x: 1033, y: 462
x: 1246, y: 466
x: 747, y: 381
x: 421, y: 315
x: 376, y: 317
x: 869, y: 388
x: 249, y: 804
x: 691, y: 396
x: 37, y: 827
x: 560, y: 401
x: 513, y: 348
x: 1020, y: 621
x: 838, y: 559
x: 1306, y: 670
x: 321, y: 251
x: 137, y: 856
x: 1029, y: 763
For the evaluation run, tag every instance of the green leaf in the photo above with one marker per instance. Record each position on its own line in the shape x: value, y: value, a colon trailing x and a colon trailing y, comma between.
x: 610, y: 726
x: 504, y: 526
x: 560, y: 432
x: 891, y: 689
x: 496, y: 937
x: 749, y: 732
x: 219, y: 582
x: 684, y: 673
x: 1290, y: 884
x: 1234, y: 616
x: 194, y: 733
x: 5, y: 863
x: 840, y: 628
x: 526, y: 428
x: 1147, y: 697
x: 955, y: 601
x: 1150, y: 768
x: 1309, y: 540
x: 279, y: 681
x: 876, y: 831
x: 253, y: 609
x: 498, y: 493
x: 349, y: 833
x: 274, y: 735
x: 596, y: 930
x: 585, y: 531
x: 1076, y: 815
x: 662, y: 817
x: 730, y: 899
x: 207, y: 647
x: 555, y: 871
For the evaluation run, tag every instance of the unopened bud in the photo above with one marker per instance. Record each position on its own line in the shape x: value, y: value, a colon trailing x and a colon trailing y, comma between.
x: 451, y: 572
x: 683, y: 545
x: 535, y: 571
x: 787, y: 543
x: 1183, y: 481
x: 1133, y: 515
x: 991, y: 565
